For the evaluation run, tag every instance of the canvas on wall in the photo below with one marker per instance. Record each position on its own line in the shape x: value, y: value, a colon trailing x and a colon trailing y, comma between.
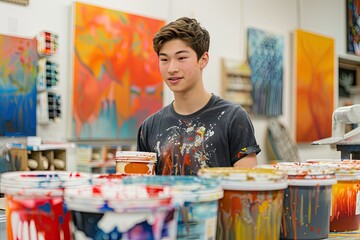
x: 116, y: 81
x: 315, y: 79
x: 265, y: 55
x: 353, y: 26
x: 18, y: 73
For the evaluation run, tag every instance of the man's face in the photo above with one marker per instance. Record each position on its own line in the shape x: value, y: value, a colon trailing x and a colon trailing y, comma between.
x: 179, y: 66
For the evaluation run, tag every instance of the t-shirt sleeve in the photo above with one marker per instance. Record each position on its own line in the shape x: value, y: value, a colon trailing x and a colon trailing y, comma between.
x: 242, y: 136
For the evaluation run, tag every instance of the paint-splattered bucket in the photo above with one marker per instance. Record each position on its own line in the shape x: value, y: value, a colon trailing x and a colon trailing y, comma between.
x: 252, y: 202
x: 345, y: 207
x: 198, y: 201
x: 133, y: 162
x: 307, y: 200
x: 116, y: 211
x: 107, y: 178
x: 345, y: 211
x: 34, y: 203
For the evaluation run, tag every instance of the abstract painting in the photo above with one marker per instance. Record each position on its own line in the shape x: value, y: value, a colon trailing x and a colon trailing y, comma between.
x: 265, y: 56
x: 353, y: 26
x: 116, y: 80
x: 315, y: 79
x: 18, y: 73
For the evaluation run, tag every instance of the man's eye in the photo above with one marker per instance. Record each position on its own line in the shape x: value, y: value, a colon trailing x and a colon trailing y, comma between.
x: 163, y: 60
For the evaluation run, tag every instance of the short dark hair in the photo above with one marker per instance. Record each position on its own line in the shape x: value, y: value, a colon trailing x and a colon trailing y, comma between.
x: 186, y: 29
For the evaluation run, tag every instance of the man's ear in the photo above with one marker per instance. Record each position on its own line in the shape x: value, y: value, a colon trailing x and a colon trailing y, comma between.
x: 203, y: 61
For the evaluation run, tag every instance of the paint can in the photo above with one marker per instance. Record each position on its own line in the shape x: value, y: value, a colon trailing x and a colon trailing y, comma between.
x: 197, y: 199
x: 107, y: 178
x: 117, y: 211
x: 307, y: 201
x: 345, y: 211
x: 34, y: 203
x: 133, y: 162
x: 252, y: 202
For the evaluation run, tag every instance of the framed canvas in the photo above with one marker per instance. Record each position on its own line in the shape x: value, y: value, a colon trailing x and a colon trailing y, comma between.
x: 315, y: 80
x: 353, y: 27
x: 349, y: 77
x: 116, y: 80
x: 18, y: 73
x: 265, y: 55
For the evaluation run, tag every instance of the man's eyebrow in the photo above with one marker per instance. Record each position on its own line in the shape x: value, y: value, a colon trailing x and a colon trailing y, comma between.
x: 178, y: 52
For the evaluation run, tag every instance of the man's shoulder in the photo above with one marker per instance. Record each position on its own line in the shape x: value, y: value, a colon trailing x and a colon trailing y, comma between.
x: 227, y: 105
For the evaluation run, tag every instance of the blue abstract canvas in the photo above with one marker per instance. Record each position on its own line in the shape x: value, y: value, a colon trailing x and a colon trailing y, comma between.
x: 18, y: 72
x: 265, y: 56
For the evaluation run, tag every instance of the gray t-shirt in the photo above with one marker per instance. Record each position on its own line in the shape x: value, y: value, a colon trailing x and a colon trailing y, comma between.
x: 218, y: 135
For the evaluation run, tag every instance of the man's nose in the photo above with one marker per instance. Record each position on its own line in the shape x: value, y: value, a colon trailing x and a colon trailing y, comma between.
x: 172, y: 66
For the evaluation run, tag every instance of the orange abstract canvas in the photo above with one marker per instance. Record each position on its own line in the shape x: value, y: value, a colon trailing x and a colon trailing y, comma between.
x: 314, y: 59
x: 116, y: 80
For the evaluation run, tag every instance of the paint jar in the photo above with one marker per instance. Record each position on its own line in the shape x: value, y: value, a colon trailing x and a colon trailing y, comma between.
x: 252, y: 202
x: 307, y: 200
x: 197, y: 199
x: 34, y: 203
x: 132, y: 162
x: 117, y: 211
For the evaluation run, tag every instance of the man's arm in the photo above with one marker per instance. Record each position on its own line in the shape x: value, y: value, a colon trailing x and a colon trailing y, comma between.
x: 249, y: 161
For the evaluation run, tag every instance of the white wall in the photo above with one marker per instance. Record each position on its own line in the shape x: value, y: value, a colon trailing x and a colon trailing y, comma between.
x: 226, y: 20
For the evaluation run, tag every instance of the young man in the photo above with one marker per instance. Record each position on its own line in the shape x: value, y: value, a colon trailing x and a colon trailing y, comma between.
x: 198, y: 129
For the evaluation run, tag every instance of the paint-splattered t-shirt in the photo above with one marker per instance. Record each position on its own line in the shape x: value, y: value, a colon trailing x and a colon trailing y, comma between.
x: 218, y: 135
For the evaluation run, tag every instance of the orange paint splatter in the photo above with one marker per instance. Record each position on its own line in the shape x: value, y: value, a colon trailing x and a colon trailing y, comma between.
x: 187, y: 161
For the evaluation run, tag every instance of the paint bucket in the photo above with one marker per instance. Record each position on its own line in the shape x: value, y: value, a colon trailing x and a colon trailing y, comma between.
x: 345, y: 214
x: 117, y: 211
x: 34, y: 203
x: 307, y: 200
x: 107, y: 178
x: 132, y: 162
x: 252, y: 202
x: 198, y: 201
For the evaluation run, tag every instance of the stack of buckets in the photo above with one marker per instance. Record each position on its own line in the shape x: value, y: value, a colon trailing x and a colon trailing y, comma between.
x: 307, y: 200
x: 278, y: 201
x: 345, y: 209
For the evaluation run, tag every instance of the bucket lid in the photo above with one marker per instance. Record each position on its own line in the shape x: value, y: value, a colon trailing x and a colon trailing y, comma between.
x: 135, y: 156
x: 345, y: 170
x: 184, y: 188
x: 117, y: 197
x: 248, y: 179
x: 305, y: 173
x: 49, y: 183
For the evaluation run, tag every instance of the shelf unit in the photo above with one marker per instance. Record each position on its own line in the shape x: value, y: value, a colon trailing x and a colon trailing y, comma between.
x: 38, y: 158
x: 48, y: 99
x: 236, y: 85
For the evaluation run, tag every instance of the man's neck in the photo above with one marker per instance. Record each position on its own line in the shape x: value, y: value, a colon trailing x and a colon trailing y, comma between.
x: 186, y: 104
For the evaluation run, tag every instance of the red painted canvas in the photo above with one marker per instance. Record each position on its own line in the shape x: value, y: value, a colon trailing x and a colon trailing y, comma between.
x: 116, y: 80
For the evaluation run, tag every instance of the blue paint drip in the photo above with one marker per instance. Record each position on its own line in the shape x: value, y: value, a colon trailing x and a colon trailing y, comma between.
x: 45, y: 207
